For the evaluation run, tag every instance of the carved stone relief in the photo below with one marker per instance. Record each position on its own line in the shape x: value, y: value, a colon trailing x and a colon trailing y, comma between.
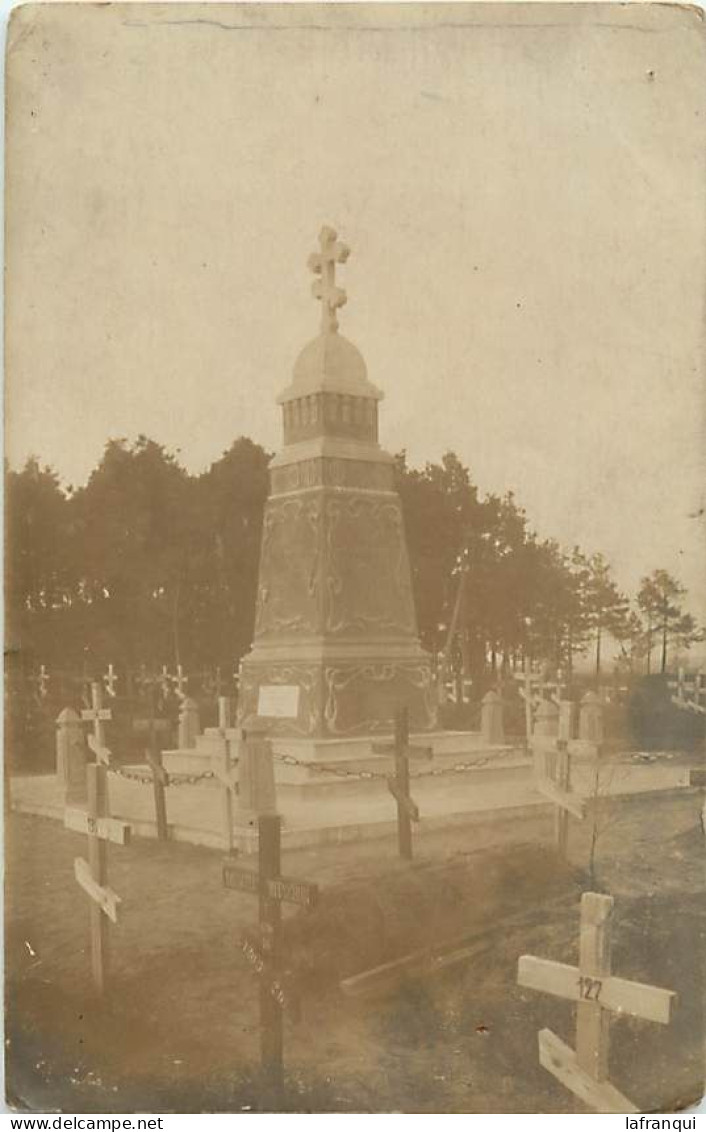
x: 289, y: 585
x: 362, y: 699
x: 367, y: 583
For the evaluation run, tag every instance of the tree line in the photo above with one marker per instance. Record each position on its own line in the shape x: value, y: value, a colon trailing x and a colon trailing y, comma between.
x: 148, y: 564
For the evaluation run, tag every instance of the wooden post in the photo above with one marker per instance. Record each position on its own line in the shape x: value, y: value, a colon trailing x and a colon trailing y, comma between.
x: 265, y: 955
x: 97, y: 776
x: 404, y: 815
x: 398, y: 784
x: 561, y: 815
x: 528, y: 693
x: 229, y: 784
x: 160, y: 779
x: 592, y: 1021
x: 97, y: 715
x: 159, y: 775
x: 271, y: 1019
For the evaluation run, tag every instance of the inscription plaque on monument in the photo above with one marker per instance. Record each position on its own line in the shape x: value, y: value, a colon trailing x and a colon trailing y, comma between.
x: 278, y: 701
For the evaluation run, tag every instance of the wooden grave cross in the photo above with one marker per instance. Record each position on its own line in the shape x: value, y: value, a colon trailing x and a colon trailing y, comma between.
x: 689, y: 691
x: 531, y: 694
x: 110, y: 679
x: 265, y: 954
x: 98, y: 716
x: 398, y: 784
x: 92, y: 875
x: 165, y: 679
x: 597, y: 994
x: 554, y: 783
x: 180, y: 681
x: 42, y: 681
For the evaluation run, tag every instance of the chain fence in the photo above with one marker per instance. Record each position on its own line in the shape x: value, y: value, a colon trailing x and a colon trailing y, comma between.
x: 369, y: 775
x: 147, y: 778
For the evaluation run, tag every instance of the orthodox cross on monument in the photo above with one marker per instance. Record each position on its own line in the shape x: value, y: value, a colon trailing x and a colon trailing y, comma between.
x: 323, y: 263
x: 597, y: 994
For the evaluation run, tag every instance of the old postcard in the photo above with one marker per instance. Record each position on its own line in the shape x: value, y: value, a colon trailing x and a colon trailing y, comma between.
x: 355, y: 588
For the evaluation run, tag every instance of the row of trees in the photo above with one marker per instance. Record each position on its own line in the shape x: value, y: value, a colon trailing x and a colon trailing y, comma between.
x: 147, y: 563
x: 486, y: 579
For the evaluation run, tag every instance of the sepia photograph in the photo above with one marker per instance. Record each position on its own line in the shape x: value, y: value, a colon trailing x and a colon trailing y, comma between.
x: 355, y: 571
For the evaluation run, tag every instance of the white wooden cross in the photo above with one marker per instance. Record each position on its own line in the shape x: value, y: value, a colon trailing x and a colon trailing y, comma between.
x: 323, y: 264
x: 42, y: 681
x: 92, y: 875
x: 110, y: 680
x: 532, y: 685
x: 165, y: 680
x: 98, y: 716
x: 180, y: 681
x: 598, y: 993
x: 689, y: 691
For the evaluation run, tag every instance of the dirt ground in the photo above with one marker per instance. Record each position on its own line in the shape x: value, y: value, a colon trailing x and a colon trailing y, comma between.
x: 179, y: 1030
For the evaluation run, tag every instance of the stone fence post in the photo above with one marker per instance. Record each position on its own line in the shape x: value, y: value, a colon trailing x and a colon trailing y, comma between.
x: 591, y: 719
x: 256, y: 777
x: 71, y: 758
x: 567, y: 720
x: 189, y: 726
x: 546, y: 722
x: 544, y: 738
x: 491, y: 718
x: 225, y: 717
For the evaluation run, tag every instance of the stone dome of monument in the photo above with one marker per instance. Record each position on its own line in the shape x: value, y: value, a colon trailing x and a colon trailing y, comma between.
x: 330, y: 363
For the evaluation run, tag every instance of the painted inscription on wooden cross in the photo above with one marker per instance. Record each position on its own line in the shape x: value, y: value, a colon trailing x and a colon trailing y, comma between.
x: 597, y: 994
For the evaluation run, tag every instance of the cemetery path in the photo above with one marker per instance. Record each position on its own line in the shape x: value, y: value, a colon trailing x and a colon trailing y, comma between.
x: 179, y: 1030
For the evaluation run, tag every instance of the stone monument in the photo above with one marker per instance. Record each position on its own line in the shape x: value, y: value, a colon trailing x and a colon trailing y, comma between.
x: 336, y: 649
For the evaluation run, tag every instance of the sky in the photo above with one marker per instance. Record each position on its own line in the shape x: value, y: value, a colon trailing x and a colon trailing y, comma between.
x: 522, y: 189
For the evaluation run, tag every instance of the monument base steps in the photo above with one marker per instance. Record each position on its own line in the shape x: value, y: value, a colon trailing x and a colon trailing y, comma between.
x: 350, y: 756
